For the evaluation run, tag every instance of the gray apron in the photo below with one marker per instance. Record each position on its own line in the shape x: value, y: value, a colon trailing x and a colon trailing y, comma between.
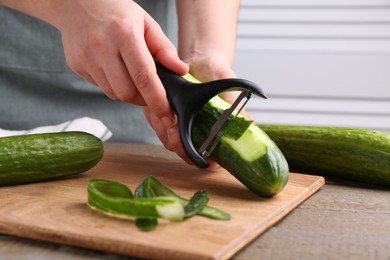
x: 37, y: 87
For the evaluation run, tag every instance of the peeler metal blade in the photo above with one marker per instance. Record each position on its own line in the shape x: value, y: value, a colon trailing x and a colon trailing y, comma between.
x: 217, y: 129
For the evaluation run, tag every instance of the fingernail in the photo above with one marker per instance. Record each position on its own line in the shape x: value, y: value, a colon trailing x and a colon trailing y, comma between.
x: 167, y: 122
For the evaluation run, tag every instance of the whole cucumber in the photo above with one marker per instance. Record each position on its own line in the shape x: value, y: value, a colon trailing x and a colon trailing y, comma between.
x: 351, y: 153
x: 40, y: 157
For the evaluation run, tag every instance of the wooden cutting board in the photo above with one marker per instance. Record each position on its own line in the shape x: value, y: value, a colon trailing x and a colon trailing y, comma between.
x: 56, y: 211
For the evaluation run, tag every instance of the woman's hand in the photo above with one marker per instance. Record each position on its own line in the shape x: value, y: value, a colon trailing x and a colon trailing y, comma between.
x: 111, y: 44
x: 211, y: 68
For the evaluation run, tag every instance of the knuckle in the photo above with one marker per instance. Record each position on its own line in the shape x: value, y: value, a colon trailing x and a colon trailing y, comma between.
x: 160, y: 107
x: 95, y: 45
x: 73, y: 64
x: 108, y: 91
x: 129, y: 96
x: 111, y: 96
x: 142, y: 78
x: 167, y: 146
x: 120, y: 27
x: 96, y: 41
x: 78, y: 57
x: 75, y: 59
x: 166, y: 49
x: 126, y: 96
x: 158, y: 110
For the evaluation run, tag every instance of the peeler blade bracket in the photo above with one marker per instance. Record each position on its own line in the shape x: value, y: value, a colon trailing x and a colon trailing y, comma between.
x: 217, y: 129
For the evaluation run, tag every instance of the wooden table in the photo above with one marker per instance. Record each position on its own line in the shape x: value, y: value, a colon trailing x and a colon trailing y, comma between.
x: 343, y: 220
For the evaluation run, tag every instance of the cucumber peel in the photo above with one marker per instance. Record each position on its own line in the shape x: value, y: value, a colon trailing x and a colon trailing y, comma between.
x: 152, y: 185
x: 115, y: 198
x: 196, y: 204
x: 152, y: 200
x: 146, y: 224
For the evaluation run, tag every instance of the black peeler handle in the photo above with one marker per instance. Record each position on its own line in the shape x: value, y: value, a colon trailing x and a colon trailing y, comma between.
x: 187, y: 99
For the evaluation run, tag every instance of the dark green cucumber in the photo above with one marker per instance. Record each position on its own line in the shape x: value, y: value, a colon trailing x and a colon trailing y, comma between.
x: 254, y: 159
x: 40, y: 157
x: 356, y: 154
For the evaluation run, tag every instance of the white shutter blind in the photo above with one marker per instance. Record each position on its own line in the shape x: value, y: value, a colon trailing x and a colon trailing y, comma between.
x: 321, y: 62
x: 317, y: 25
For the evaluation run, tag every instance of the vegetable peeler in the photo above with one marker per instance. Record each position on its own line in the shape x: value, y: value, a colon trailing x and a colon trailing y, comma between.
x: 187, y: 99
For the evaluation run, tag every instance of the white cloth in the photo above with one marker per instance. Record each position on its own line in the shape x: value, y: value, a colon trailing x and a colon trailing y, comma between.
x: 84, y: 124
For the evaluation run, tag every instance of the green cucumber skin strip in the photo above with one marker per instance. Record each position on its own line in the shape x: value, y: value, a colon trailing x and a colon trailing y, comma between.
x: 159, y: 189
x: 40, y: 157
x: 196, y: 204
x: 116, y: 198
x: 141, y: 208
x: 266, y: 175
x: 351, y: 153
x: 110, y: 188
x: 151, y: 187
x: 145, y: 191
x: 146, y: 224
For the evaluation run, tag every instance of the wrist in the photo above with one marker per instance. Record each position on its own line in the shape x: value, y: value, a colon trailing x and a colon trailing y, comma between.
x: 197, y: 55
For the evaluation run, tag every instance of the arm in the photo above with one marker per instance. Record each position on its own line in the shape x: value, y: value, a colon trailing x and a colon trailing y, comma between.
x: 207, y: 36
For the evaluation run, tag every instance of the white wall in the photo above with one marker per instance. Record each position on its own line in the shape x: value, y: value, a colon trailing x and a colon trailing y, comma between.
x: 321, y: 62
